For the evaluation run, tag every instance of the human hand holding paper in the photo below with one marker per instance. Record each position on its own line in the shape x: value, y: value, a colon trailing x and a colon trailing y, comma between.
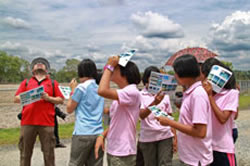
x: 208, y: 87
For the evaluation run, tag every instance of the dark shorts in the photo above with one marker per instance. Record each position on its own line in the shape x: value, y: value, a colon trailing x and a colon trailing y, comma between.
x: 223, y: 159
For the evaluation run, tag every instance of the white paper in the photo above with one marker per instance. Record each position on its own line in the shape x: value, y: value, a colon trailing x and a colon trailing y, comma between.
x: 31, y: 96
x: 65, y: 90
x: 218, y: 77
x: 125, y: 57
x: 158, y: 81
x: 158, y: 112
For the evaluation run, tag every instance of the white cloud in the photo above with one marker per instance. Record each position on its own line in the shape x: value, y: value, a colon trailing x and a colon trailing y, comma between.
x: 156, y: 25
x: 231, y: 38
x: 16, y: 22
x: 153, y: 51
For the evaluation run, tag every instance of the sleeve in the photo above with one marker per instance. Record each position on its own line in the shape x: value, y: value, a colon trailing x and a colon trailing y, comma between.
x: 127, y: 97
x: 200, y: 109
x: 142, y: 106
x: 78, y: 94
x: 21, y: 88
x: 167, y: 105
x: 58, y: 93
x: 232, y: 101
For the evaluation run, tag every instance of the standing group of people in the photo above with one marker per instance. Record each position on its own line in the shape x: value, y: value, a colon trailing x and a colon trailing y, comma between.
x: 204, y: 130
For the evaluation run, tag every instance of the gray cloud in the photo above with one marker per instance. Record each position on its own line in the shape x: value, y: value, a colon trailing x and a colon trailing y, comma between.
x: 111, y: 2
x: 155, y: 25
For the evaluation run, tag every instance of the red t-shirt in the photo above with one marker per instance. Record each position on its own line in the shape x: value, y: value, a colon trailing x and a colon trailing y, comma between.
x: 41, y: 112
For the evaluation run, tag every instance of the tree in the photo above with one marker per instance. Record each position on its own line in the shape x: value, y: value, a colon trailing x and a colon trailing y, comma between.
x: 228, y: 64
x: 12, y: 68
x: 68, y: 72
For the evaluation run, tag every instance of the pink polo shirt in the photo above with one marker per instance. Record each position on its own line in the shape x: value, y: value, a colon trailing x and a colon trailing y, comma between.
x: 124, y: 116
x: 195, y: 109
x: 151, y: 129
x: 226, y: 100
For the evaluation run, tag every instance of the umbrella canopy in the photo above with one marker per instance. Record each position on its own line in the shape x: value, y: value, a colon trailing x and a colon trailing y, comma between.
x: 201, y: 54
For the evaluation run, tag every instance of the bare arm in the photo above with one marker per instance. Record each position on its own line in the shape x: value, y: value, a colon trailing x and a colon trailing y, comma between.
x: 106, y: 110
x: 197, y: 130
x: 175, y: 148
x: 145, y: 112
x: 51, y: 99
x: 71, y: 106
x: 221, y: 115
x: 100, y: 142
x: 104, y: 89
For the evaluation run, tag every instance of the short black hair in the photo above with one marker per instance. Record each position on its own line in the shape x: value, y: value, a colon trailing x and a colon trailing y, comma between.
x: 99, y: 77
x: 131, y: 72
x: 208, y: 64
x: 87, y: 68
x: 147, y: 73
x: 186, y: 66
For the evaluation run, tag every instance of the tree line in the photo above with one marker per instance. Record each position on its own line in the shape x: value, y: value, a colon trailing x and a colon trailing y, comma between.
x: 14, y: 69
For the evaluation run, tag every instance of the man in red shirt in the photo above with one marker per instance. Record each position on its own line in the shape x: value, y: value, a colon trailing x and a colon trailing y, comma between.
x: 38, y: 117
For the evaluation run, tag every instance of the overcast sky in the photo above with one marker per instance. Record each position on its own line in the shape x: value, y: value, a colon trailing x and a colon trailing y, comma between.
x: 96, y: 29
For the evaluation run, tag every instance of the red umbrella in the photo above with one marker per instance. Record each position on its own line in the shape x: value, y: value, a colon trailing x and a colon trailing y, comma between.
x: 201, y: 54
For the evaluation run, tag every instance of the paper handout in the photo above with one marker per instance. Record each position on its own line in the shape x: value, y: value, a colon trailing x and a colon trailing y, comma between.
x: 66, y: 90
x: 31, y: 96
x: 218, y: 77
x: 125, y: 57
x: 158, y: 81
x: 158, y: 112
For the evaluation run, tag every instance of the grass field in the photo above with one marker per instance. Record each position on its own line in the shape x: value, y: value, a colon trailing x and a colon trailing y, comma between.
x: 244, y: 102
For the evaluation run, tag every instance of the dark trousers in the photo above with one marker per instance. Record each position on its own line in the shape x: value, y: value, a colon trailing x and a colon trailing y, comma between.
x: 139, y: 156
x: 56, y: 131
x: 235, y: 134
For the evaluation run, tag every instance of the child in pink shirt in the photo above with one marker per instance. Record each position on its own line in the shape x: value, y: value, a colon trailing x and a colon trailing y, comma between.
x: 124, y: 112
x: 195, y: 120
x: 155, y: 141
x: 224, y: 105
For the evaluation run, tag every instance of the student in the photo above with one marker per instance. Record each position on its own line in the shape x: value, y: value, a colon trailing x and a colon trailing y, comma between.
x: 195, y: 136
x: 224, y: 105
x: 155, y: 141
x: 88, y: 107
x: 124, y: 112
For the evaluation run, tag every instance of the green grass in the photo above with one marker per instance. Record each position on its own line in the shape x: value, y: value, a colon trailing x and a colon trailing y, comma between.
x: 244, y: 102
x: 66, y: 130
x: 9, y: 136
